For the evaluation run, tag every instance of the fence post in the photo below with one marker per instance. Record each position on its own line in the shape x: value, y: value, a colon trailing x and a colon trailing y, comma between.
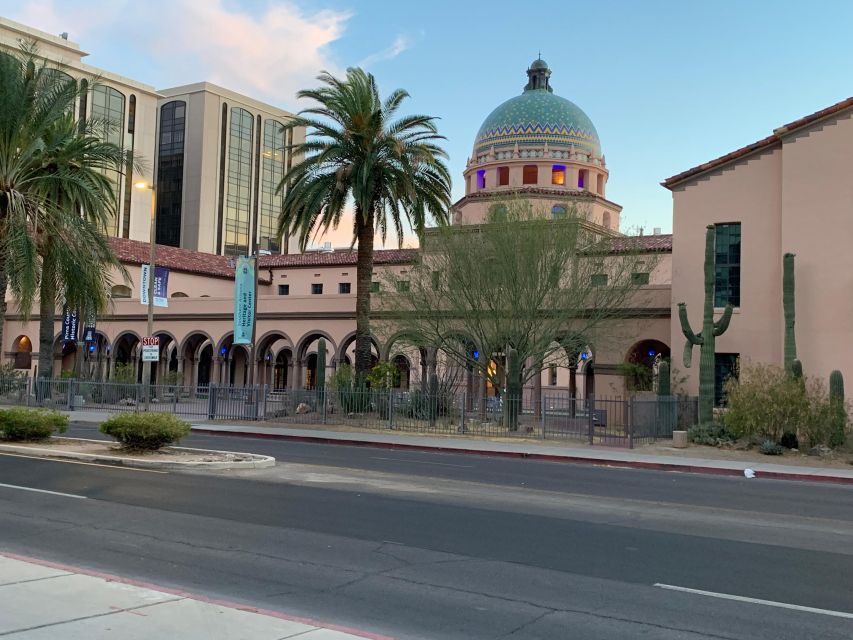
x: 69, y: 397
x: 542, y: 414
x: 265, y: 391
x: 176, y: 392
x: 590, y: 415
x: 322, y: 398
x: 211, y: 401
x: 630, y: 422
x: 462, y: 412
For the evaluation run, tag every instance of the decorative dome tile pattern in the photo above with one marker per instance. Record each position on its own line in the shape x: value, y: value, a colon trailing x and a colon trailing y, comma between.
x: 538, y: 116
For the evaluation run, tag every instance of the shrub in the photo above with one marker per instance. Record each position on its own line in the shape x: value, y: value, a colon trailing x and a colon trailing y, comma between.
x: 31, y: 424
x: 709, y: 433
x: 145, y: 431
x: 770, y: 448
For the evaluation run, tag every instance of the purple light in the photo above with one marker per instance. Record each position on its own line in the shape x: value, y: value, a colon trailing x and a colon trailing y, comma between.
x: 223, y: 350
x: 481, y: 179
x: 584, y: 355
x: 651, y: 353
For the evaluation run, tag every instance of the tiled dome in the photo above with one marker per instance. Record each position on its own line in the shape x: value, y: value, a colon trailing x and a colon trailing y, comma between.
x: 538, y: 116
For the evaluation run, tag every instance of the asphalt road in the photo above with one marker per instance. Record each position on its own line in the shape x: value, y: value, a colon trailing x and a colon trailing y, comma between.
x: 420, y: 545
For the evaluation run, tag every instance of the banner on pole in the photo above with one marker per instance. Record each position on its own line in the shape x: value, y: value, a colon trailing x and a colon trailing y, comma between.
x: 89, y: 334
x: 244, y: 300
x: 161, y: 286
x: 70, y: 323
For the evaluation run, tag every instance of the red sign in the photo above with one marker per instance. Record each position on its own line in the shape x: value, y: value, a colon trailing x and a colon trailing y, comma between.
x: 151, y: 341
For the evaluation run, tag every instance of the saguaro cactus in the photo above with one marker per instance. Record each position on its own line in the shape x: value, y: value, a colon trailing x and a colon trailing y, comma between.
x: 705, y: 339
x: 664, y: 386
x: 788, y: 305
x: 321, y: 365
x: 839, y: 411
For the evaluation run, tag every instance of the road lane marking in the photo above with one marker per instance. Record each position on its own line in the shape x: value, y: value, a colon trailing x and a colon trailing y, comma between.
x: 440, y: 464
x: 53, y: 493
x: 768, y: 603
x: 88, y: 464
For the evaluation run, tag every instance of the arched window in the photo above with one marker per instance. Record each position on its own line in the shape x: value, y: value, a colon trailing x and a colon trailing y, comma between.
x: 179, y: 294
x: 531, y: 174
x: 170, y: 172
x: 108, y: 108
x: 558, y: 212
x: 600, y: 182
x: 121, y: 291
x: 238, y: 198
x: 272, y: 171
x: 605, y: 219
x: 481, y: 179
x: 503, y: 176
x: 582, y: 178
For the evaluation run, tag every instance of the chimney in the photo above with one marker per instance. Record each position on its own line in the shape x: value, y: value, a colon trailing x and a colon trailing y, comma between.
x: 641, y: 231
x: 657, y: 231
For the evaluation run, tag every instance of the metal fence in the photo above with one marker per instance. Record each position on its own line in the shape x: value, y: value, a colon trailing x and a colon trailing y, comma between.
x: 621, y: 422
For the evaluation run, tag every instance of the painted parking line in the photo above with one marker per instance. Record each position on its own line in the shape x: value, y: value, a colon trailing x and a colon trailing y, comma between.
x: 767, y: 603
x: 88, y: 464
x: 53, y: 493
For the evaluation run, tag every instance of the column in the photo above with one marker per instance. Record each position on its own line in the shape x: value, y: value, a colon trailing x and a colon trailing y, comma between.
x: 112, y: 367
x: 297, y: 375
x: 217, y: 370
x: 181, y: 371
x: 193, y: 376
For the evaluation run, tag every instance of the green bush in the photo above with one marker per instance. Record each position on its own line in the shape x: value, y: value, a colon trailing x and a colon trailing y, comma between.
x: 709, y: 433
x: 31, y: 424
x: 145, y: 431
x: 770, y: 448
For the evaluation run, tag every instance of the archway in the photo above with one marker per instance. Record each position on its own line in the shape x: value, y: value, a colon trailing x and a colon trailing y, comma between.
x: 404, y: 367
x: 640, y: 363
x: 124, y: 356
x: 22, y: 349
x: 281, y: 371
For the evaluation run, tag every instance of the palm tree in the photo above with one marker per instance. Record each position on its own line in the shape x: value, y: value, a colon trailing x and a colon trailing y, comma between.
x: 356, y: 151
x: 55, y: 198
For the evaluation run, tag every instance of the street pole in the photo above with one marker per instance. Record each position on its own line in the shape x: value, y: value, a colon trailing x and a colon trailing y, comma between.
x: 152, y: 237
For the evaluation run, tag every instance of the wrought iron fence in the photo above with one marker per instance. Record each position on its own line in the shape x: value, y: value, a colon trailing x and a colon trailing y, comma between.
x: 621, y: 422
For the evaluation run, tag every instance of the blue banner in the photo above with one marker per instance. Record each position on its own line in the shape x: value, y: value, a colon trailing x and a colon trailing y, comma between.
x: 161, y: 286
x: 70, y: 324
x: 244, y: 300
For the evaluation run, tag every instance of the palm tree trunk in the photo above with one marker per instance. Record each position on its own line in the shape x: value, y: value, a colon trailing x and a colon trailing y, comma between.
x: 364, y: 278
x: 4, y: 281
x: 47, y: 313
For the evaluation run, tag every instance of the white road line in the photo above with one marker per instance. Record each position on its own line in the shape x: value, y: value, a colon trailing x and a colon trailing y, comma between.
x: 768, y: 603
x: 53, y: 493
x: 88, y: 464
x: 439, y: 464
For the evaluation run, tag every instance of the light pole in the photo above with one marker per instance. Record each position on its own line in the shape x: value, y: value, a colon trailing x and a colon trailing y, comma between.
x: 152, y: 237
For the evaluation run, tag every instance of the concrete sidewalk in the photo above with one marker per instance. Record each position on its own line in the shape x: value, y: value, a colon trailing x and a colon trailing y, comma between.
x: 44, y: 601
x: 549, y: 452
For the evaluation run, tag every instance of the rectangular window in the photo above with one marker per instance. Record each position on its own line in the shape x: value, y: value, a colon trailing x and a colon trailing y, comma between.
x: 582, y: 178
x: 600, y: 189
x: 552, y: 375
x: 725, y: 366
x: 316, y: 289
x: 558, y: 174
x: 599, y: 280
x: 344, y: 287
x: 640, y: 278
x: 481, y: 179
x: 374, y: 287
x: 284, y: 289
x: 403, y: 285
x: 531, y: 174
x: 727, y: 264
x: 503, y: 176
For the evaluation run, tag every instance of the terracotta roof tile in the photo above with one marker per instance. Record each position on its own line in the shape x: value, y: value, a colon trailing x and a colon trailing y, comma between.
x: 661, y: 243
x: 775, y: 137
x: 336, y: 258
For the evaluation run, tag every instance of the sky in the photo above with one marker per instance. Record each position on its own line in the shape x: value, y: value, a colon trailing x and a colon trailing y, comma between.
x: 668, y: 84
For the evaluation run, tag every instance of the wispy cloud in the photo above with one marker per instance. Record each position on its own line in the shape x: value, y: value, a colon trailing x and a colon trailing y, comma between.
x: 400, y: 44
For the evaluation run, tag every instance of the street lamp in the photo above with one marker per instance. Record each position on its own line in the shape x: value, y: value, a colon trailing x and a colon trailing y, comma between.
x: 152, y: 230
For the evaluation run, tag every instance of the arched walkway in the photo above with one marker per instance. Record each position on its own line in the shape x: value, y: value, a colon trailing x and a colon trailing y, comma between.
x: 22, y: 348
x: 640, y: 364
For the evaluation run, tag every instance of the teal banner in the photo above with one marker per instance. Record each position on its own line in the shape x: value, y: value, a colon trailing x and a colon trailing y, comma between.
x: 244, y: 300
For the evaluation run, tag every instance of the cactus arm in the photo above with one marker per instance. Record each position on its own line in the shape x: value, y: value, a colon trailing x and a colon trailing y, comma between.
x: 688, y: 354
x: 722, y: 324
x: 692, y: 338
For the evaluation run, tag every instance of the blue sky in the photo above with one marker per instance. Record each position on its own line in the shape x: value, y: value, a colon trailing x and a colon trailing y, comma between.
x: 668, y: 84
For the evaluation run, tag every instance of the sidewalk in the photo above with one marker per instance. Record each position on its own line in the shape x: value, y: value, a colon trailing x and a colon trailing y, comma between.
x: 44, y: 601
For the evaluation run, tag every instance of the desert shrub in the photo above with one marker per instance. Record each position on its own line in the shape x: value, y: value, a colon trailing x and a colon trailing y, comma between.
x: 351, y: 396
x: 770, y: 448
x: 423, y: 406
x: 709, y: 433
x: 124, y: 373
x: 31, y: 424
x: 145, y: 431
x: 638, y: 377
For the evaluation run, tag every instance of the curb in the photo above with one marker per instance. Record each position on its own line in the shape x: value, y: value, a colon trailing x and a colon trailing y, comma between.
x: 542, y: 457
x: 365, y: 635
x: 120, y: 461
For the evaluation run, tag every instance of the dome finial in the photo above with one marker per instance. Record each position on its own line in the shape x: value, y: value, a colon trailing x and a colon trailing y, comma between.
x: 538, y: 75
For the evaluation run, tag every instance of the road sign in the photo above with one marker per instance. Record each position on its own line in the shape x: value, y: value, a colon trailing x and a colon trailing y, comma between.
x: 150, y: 349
